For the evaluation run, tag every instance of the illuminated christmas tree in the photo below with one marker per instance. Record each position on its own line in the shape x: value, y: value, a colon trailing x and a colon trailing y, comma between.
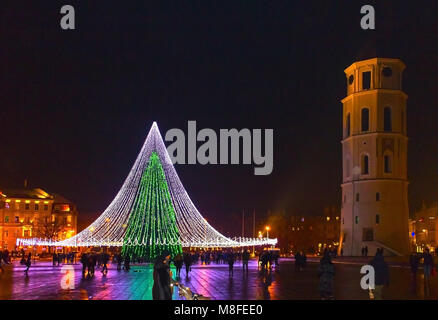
x: 152, y: 224
x: 151, y: 212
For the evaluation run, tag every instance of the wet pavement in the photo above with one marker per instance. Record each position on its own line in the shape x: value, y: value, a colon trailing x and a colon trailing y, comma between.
x: 283, y: 282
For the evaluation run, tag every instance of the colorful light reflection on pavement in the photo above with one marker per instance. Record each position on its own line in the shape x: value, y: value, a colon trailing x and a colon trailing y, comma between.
x: 44, y: 282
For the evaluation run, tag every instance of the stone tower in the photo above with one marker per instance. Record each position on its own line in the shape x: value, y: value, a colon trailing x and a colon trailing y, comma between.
x: 375, y: 147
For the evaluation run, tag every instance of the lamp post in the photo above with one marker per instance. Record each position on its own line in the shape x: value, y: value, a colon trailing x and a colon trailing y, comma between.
x: 267, y: 231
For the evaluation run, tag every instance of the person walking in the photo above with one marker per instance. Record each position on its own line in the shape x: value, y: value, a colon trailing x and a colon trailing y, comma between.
x: 84, y: 261
x: 414, y: 261
x: 119, y: 261
x: 297, y: 261
x: 427, y: 270
x: 245, y: 260
x: 27, y: 263
x: 188, y: 262
x: 230, y: 263
x: 381, y: 275
x: 162, y: 288
x: 105, y: 259
x: 127, y: 262
x: 178, y: 264
x: 326, y: 274
x: 54, y: 258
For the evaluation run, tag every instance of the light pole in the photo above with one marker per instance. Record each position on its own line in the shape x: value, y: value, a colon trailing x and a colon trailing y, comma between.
x: 267, y: 231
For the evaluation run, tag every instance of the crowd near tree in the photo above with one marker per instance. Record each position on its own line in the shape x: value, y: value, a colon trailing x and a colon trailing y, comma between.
x: 267, y: 261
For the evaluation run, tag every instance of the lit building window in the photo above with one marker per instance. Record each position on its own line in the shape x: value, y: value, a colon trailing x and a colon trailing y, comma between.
x: 365, y: 119
x: 6, y: 219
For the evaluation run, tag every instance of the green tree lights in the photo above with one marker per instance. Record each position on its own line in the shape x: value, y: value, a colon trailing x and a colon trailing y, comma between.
x: 152, y: 224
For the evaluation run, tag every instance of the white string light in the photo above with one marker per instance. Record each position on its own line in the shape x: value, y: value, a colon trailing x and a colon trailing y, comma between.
x: 110, y: 227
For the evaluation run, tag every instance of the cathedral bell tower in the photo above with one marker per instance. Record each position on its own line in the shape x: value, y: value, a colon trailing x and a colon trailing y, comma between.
x: 375, y: 208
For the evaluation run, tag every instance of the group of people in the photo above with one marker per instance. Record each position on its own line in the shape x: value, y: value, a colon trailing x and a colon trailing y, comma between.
x: 300, y: 260
x: 91, y: 260
x: 268, y: 258
x: 428, y: 267
x: 326, y: 274
x: 58, y: 258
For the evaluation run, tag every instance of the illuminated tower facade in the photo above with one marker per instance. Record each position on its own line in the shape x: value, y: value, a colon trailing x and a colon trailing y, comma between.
x: 375, y: 208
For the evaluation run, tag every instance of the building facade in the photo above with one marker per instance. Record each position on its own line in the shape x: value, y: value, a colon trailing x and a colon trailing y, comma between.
x: 34, y: 213
x: 375, y: 209
x: 424, y: 232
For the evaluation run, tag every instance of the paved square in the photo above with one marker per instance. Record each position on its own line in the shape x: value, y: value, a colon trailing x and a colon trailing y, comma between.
x: 211, y: 280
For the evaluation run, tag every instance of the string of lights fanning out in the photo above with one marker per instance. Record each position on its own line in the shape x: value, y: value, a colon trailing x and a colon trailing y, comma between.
x: 131, y: 218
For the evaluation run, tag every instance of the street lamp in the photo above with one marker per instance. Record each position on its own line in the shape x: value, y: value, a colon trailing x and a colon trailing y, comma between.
x: 267, y: 231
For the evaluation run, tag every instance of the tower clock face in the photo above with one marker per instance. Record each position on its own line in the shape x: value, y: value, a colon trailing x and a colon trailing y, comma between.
x: 387, y: 72
x: 350, y: 79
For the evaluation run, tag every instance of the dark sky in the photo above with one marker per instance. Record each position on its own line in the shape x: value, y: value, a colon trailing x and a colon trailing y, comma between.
x: 76, y: 106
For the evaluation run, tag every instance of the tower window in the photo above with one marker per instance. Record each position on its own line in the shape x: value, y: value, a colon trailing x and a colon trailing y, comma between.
x: 387, y: 119
x: 350, y: 79
x: 348, y: 124
x: 387, y: 72
x: 356, y: 219
x: 388, y: 164
x: 377, y: 196
x: 366, y: 80
x: 365, y: 165
x: 377, y: 219
x: 365, y: 119
x: 357, y: 197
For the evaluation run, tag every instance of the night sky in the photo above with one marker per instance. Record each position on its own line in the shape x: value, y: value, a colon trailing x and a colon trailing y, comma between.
x: 76, y: 106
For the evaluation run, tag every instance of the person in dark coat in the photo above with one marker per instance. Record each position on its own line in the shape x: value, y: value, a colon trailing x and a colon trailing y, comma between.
x: 297, y: 261
x: 54, y: 258
x: 127, y: 262
x: 414, y: 261
x: 381, y: 274
x: 427, y: 269
x: 105, y: 259
x: 245, y: 259
x: 188, y: 260
x: 231, y: 260
x: 178, y: 264
x: 163, y: 282
x: 326, y: 274
x: 84, y: 261
x: 27, y: 263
